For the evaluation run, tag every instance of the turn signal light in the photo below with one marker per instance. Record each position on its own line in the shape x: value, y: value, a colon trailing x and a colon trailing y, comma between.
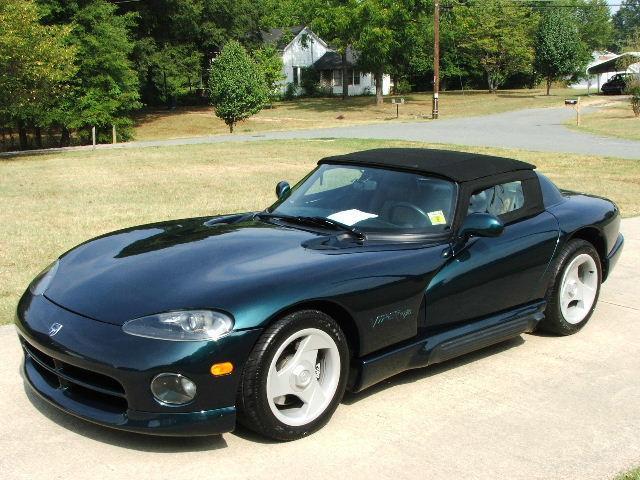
x: 219, y: 369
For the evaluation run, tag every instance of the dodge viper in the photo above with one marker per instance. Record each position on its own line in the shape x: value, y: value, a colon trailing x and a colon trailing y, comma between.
x: 374, y: 263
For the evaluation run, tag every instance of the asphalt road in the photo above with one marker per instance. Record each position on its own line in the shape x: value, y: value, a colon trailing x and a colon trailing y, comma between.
x: 538, y: 129
x: 535, y: 407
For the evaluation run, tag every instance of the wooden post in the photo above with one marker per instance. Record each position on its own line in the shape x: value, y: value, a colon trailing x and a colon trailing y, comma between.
x: 93, y: 136
x: 113, y: 134
x: 436, y: 58
x: 578, y: 112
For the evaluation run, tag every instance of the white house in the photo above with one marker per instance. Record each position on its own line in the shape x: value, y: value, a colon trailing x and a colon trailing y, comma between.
x: 306, y: 49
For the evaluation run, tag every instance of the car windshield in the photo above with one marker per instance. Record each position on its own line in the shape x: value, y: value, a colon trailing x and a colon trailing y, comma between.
x: 372, y: 199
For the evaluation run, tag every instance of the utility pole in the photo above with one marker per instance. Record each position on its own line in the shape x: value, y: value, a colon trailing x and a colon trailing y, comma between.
x: 436, y: 57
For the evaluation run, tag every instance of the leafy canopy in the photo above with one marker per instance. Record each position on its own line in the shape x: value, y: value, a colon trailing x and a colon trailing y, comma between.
x: 494, y: 36
x: 269, y: 61
x: 35, y: 61
x: 627, y: 22
x: 560, y: 52
x: 106, y: 86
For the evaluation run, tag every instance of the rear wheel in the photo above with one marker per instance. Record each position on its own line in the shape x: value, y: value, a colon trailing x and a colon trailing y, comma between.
x: 573, y: 296
x: 295, y: 377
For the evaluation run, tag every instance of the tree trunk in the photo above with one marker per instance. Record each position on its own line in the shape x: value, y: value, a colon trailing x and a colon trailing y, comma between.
x: 345, y: 80
x: 231, y: 128
x: 65, y: 137
x: 22, y: 133
x: 395, y: 84
x: 378, y: 77
x: 38, y: 132
x: 548, y: 85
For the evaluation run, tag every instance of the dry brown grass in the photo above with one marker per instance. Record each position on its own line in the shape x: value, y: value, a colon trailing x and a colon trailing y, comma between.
x: 323, y: 112
x: 614, y: 120
x: 52, y: 202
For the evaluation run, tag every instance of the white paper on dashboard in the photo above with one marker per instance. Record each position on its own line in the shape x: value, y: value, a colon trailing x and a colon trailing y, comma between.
x: 351, y: 217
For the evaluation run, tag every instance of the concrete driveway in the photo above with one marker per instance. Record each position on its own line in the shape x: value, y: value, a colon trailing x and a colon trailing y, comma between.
x: 536, y: 407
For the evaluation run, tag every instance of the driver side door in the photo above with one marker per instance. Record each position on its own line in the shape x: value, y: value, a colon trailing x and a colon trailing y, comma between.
x: 490, y: 275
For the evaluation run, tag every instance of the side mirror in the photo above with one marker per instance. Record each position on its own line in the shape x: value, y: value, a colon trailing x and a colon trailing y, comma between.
x: 481, y: 225
x: 282, y: 189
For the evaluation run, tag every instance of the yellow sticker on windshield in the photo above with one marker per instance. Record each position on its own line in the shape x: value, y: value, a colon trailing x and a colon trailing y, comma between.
x: 437, y: 218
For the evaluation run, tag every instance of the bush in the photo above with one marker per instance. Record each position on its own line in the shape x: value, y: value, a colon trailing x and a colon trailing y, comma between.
x: 310, y: 82
x: 270, y: 62
x: 403, y: 87
x: 633, y: 89
x: 291, y: 92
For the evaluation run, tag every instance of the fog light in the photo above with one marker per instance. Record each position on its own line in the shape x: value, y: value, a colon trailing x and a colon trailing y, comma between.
x: 173, y: 389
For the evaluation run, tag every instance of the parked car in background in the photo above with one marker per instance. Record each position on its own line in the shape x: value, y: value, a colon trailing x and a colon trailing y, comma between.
x: 618, y: 83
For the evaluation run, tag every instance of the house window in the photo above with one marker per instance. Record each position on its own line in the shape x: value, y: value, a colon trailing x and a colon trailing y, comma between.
x: 296, y: 75
x: 356, y: 77
x: 350, y: 76
x: 337, y: 78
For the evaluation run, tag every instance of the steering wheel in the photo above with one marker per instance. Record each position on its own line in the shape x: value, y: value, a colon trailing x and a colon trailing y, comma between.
x: 412, y: 207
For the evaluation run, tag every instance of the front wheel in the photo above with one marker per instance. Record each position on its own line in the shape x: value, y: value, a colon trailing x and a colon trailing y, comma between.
x: 573, y: 296
x: 295, y: 376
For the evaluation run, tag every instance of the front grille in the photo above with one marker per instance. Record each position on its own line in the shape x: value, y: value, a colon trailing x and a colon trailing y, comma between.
x: 85, y: 386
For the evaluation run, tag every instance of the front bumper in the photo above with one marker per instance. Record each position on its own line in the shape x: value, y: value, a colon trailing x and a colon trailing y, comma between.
x: 95, y: 371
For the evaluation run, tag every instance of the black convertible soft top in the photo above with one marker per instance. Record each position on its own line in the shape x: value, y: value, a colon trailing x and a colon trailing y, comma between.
x: 457, y: 166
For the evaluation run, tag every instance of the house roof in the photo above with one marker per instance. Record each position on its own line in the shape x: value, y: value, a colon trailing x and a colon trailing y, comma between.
x: 457, y: 166
x: 333, y: 60
x: 274, y: 36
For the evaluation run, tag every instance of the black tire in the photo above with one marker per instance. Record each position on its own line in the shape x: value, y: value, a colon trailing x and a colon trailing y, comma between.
x: 254, y: 412
x: 554, y: 321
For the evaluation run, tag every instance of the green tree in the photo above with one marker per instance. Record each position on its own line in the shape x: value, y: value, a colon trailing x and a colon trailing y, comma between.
x: 495, y: 36
x: 176, y: 70
x: 281, y: 13
x: 270, y: 62
x: 35, y: 61
x: 626, y: 21
x: 105, y: 90
x: 595, y: 24
x: 559, y: 50
x: 236, y: 85
x: 375, y: 42
x: 172, y: 35
x: 390, y: 37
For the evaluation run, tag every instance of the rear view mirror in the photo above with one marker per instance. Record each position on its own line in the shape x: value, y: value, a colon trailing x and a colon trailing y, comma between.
x: 282, y: 189
x: 481, y: 225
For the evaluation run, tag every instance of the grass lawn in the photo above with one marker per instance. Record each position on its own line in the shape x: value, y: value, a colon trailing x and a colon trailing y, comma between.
x: 630, y: 475
x: 323, y: 112
x: 52, y: 202
x: 616, y: 119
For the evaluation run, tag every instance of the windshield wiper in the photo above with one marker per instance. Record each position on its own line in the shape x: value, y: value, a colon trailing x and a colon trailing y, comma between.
x: 320, y: 221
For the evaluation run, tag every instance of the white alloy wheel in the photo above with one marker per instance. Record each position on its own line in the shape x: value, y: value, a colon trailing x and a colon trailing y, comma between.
x: 303, y: 377
x: 579, y: 288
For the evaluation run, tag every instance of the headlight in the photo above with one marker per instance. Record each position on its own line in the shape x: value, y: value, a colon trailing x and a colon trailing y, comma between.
x: 40, y: 284
x: 184, y: 326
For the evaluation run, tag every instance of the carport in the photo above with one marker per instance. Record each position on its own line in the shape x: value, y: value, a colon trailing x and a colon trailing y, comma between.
x: 614, y: 65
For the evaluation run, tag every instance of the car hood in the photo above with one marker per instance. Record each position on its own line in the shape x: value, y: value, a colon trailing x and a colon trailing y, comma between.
x: 195, y: 263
